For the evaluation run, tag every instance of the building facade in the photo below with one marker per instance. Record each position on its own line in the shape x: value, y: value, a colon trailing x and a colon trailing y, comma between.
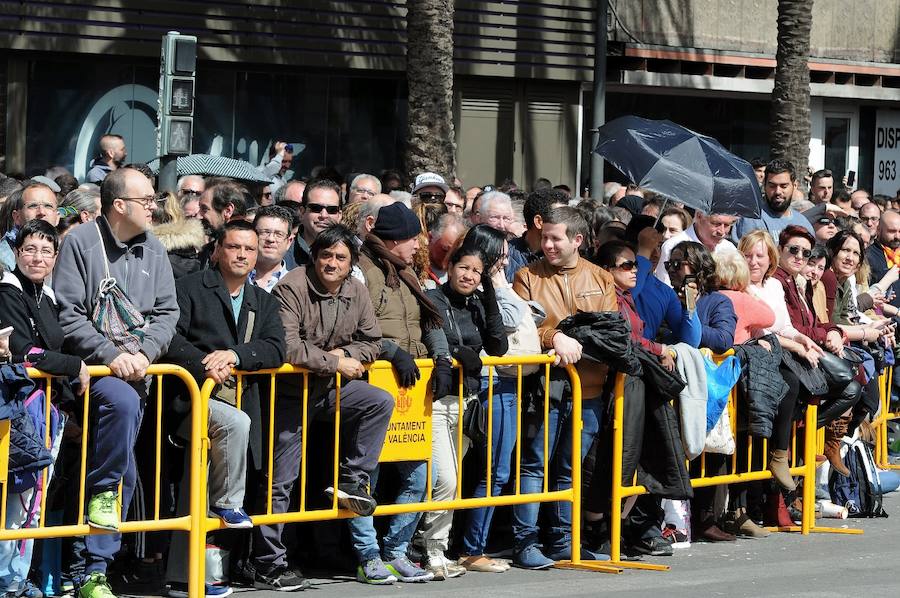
x: 328, y: 76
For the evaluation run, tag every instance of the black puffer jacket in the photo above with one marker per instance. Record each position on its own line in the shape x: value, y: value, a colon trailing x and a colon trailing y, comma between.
x: 605, y: 336
x: 760, y: 384
x: 27, y: 452
x: 472, y: 322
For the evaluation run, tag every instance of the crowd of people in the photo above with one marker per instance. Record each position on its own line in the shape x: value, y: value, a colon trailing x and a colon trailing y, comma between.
x: 332, y: 272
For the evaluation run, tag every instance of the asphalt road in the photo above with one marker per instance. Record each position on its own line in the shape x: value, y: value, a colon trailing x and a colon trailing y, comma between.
x: 821, y: 565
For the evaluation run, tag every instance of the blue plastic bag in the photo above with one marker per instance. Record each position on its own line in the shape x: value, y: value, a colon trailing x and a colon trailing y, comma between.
x: 720, y: 379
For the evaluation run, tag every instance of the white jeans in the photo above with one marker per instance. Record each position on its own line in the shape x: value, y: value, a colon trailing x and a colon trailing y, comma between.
x: 434, y: 533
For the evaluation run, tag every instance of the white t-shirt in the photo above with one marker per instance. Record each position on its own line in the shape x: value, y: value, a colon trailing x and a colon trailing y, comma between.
x: 724, y: 246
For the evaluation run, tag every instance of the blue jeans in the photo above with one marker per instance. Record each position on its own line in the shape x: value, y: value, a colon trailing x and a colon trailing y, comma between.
x: 525, y: 516
x: 413, y: 476
x: 503, y: 441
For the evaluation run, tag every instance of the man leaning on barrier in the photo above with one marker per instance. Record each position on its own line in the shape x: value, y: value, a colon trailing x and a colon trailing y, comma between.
x: 563, y: 283
x: 330, y: 328
x: 226, y: 323
x: 116, y: 247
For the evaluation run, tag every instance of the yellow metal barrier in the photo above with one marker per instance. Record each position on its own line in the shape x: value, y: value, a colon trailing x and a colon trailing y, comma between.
x: 303, y: 513
x: 153, y: 524
x: 882, y: 449
x: 738, y: 473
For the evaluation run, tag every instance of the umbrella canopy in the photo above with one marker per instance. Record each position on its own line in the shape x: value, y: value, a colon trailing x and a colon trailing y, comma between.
x: 680, y: 164
x: 206, y: 165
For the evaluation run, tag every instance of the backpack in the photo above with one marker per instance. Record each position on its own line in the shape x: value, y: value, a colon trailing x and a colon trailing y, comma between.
x: 861, y: 491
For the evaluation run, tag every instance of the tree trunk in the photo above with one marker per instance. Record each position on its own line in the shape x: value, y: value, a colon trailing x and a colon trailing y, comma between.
x: 790, y: 126
x: 430, y: 140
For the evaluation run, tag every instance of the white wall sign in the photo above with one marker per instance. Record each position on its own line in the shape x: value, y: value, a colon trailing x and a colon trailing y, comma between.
x: 887, y: 152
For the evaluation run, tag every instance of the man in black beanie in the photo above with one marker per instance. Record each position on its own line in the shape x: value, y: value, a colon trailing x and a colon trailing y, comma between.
x: 411, y: 329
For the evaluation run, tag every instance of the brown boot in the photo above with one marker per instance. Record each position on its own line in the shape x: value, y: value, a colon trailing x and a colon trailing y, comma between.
x: 834, y: 431
x: 740, y: 524
x: 780, y: 468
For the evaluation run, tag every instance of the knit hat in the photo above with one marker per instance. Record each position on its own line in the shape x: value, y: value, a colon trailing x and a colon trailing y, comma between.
x: 396, y: 222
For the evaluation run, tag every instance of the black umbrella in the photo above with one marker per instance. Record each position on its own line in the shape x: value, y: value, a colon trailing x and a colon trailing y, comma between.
x: 680, y: 164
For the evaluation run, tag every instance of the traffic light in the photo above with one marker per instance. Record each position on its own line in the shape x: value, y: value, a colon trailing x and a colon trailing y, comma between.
x: 178, y: 66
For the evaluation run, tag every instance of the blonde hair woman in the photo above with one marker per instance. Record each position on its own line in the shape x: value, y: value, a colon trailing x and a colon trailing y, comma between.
x: 753, y: 314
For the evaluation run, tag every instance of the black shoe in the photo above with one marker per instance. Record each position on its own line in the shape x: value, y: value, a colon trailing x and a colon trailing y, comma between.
x: 281, y: 579
x: 355, y: 497
x: 657, y: 546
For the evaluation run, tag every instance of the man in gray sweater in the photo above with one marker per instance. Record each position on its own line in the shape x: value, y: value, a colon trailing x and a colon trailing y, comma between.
x: 117, y: 246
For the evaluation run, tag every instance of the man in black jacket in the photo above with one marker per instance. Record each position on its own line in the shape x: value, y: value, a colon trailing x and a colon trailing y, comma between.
x: 226, y: 323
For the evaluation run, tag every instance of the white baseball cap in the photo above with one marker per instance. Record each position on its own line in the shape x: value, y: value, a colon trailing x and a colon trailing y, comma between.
x: 429, y: 179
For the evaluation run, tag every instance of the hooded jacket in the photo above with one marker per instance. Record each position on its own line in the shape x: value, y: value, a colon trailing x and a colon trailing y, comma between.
x: 762, y: 391
x: 183, y: 241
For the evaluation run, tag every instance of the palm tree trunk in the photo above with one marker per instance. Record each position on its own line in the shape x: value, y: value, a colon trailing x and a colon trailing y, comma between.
x: 790, y: 126
x: 431, y: 144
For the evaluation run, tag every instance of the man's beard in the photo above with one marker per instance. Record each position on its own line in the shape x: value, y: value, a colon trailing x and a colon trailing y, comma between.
x: 891, y: 244
x: 779, y: 207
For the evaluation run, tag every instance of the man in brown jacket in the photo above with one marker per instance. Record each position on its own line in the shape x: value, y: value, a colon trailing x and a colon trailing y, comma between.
x: 330, y: 328
x: 563, y: 283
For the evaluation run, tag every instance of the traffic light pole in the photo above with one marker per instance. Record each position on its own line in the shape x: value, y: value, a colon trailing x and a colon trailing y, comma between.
x: 177, y: 71
x: 599, y: 108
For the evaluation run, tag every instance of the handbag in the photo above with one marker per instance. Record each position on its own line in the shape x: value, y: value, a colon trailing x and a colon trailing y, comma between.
x: 474, y: 421
x: 720, y: 439
x: 114, y: 315
x: 523, y: 341
x: 839, y: 371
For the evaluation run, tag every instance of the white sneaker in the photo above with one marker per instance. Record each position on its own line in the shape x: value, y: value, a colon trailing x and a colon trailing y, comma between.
x: 442, y: 567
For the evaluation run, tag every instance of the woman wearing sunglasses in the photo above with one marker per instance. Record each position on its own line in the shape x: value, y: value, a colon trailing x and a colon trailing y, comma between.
x: 617, y: 258
x: 796, y: 249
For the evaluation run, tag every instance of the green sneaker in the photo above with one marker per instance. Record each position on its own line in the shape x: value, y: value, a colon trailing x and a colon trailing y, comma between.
x: 95, y: 585
x: 102, y: 511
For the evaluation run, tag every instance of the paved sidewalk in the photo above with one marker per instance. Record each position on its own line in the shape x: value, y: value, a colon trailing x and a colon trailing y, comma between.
x: 822, y: 565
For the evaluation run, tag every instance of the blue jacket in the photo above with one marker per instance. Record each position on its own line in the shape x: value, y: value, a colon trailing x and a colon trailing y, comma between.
x: 719, y: 322
x: 656, y: 302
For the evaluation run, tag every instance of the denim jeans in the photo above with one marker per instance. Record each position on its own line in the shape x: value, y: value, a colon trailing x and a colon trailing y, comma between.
x: 503, y: 441
x: 413, y: 475
x: 559, y: 425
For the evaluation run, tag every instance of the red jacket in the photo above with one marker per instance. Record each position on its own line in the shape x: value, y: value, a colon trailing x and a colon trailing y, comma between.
x: 801, y: 316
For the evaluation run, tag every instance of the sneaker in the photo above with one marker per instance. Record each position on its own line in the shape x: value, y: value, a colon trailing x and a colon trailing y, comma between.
x: 374, y: 572
x: 657, y: 546
x: 442, y: 567
x: 95, y: 584
x: 103, y: 512
x: 280, y: 579
x: 565, y: 554
x: 532, y: 558
x: 180, y: 590
x: 354, y: 497
x: 407, y: 571
x: 29, y: 590
x: 233, y: 518
x: 677, y: 537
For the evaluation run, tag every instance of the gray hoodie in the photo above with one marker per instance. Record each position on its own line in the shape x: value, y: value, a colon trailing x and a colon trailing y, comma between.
x: 141, y: 269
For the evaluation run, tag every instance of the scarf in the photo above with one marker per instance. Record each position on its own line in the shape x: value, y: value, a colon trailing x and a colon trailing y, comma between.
x: 395, y: 270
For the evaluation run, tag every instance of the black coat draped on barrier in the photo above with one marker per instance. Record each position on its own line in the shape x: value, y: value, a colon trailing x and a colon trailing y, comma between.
x: 761, y: 391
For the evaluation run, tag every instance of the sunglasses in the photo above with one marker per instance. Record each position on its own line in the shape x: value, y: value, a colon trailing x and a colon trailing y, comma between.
x: 673, y: 264
x: 191, y: 192
x: 426, y: 197
x: 316, y: 208
x: 797, y: 250
x: 825, y: 221
x: 626, y: 266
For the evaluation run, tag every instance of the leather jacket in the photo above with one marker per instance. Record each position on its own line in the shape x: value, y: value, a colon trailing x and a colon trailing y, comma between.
x: 563, y: 292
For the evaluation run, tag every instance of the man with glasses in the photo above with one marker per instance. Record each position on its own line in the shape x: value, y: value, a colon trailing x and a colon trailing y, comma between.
x: 822, y: 221
x: 455, y: 200
x: 35, y: 201
x: 190, y: 188
x: 821, y: 188
x: 430, y: 188
x: 870, y: 216
x: 711, y: 230
x: 779, y: 184
x: 878, y: 253
x: 273, y: 224
x: 321, y: 207
x: 363, y: 187
x: 119, y: 246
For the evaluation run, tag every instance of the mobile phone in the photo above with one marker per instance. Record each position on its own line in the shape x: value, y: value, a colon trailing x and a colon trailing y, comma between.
x: 690, y: 292
x: 4, y: 332
x: 851, y: 178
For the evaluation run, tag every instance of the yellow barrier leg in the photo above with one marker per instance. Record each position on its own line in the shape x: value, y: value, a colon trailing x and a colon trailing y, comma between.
x: 198, y: 465
x: 577, y: 424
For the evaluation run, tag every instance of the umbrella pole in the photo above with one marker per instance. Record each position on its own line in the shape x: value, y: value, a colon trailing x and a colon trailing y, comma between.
x: 661, y: 210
